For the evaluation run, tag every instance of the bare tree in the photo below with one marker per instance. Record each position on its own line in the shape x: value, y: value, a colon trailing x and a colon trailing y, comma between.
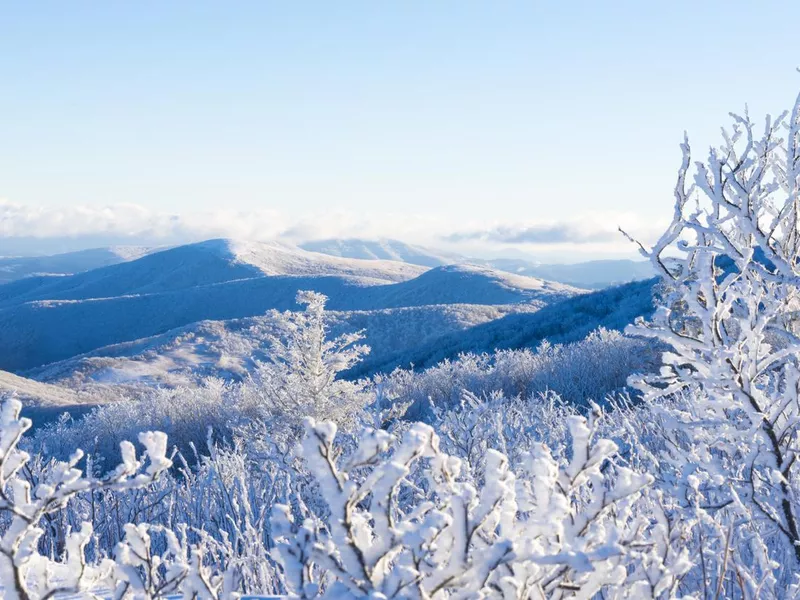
x: 729, y: 262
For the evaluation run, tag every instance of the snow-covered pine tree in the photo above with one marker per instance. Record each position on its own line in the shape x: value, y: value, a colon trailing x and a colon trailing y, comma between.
x: 301, y: 376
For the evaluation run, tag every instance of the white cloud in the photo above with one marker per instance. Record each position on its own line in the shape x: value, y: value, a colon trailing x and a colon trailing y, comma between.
x: 123, y: 220
x: 135, y: 221
x: 589, y: 233
x: 135, y: 224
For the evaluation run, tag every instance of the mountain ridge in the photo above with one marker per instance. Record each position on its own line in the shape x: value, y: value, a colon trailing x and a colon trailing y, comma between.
x: 593, y: 274
x: 47, y: 320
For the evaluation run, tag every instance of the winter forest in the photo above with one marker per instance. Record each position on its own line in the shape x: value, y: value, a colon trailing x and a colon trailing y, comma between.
x: 655, y: 462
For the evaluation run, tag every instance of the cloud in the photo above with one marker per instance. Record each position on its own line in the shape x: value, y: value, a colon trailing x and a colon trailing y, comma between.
x: 132, y: 223
x: 597, y: 230
x: 557, y: 233
x: 27, y: 229
x: 125, y: 220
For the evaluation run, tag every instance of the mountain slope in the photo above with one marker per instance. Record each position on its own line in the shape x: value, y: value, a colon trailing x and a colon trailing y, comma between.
x: 470, y: 284
x: 422, y: 336
x: 229, y: 349
x: 43, y: 331
x: 30, y: 391
x: 220, y: 280
x: 14, y: 268
x: 192, y: 265
x: 383, y: 249
x: 560, y: 322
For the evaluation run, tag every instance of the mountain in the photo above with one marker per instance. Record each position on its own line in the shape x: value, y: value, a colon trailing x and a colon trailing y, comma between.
x: 193, y: 265
x: 13, y: 268
x: 383, y: 249
x: 594, y: 274
x: 229, y: 349
x: 472, y: 284
x: 567, y: 321
x: 30, y: 391
x: 48, y: 319
x: 43, y: 402
x: 398, y: 337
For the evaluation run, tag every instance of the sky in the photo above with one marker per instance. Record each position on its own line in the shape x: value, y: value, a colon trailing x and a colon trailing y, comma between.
x: 485, y: 127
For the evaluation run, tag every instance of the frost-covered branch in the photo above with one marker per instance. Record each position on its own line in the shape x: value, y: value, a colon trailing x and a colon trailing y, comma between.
x: 26, y: 575
x: 731, y: 268
x: 404, y: 522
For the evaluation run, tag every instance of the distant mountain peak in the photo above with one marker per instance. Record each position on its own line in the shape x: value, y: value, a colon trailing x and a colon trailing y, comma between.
x: 593, y: 274
x: 383, y: 249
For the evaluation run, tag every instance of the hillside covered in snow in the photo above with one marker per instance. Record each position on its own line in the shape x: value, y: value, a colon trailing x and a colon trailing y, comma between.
x: 44, y: 319
x: 595, y: 274
x: 19, y: 267
x: 174, y: 317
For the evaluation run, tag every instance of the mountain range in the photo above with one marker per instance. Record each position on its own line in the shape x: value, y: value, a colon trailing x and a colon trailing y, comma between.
x: 83, y: 321
x: 595, y: 274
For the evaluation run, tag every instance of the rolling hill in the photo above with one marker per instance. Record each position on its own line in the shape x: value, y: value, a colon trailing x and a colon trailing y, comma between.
x: 561, y: 322
x: 194, y: 265
x: 43, y: 320
x: 383, y: 249
x: 399, y: 337
x: 229, y: 349
x: 594, y: 274
x: 19, y: 267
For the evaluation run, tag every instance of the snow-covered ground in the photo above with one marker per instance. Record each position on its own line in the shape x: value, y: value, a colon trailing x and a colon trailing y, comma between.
x: 594, y: 274
x: 230, y: 349
x: 48, y: 319
x: 29, y: 390
x: 19, y: 267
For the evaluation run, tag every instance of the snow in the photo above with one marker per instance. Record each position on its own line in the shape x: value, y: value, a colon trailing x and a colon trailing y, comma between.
x: 594, y: 274
x: 384, y: 249
x: 275, y: 258
x: 43, y: 320
x: 31, y: 391
x: 14, y: 268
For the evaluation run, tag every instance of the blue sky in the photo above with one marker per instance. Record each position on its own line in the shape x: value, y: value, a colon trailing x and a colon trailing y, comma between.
x: 409, y: 119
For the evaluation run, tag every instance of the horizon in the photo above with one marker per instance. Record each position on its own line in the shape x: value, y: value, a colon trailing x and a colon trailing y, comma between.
x: 29, y: 248
x: 456, y: 126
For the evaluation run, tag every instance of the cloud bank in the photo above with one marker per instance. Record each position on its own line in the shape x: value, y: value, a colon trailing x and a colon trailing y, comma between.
x: 592, y: 232
x: 26, y: 229
x: 545, y: 233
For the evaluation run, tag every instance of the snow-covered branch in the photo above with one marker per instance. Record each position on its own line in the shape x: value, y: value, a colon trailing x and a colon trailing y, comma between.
x: 404, y: 522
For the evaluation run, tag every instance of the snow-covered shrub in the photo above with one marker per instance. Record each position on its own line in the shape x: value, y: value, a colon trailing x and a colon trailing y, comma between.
x: 510, y: 425
x: 403, y: 522
x: 731, y: 260
x: 731, y: 548
x: 25, y: 574
x: 301, y: 376
x: 591, y: 369
x: 181, y: 569
x: 185, y: 414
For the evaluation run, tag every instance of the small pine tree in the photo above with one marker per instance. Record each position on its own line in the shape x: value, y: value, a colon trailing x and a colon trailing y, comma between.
x: 301, y: 377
